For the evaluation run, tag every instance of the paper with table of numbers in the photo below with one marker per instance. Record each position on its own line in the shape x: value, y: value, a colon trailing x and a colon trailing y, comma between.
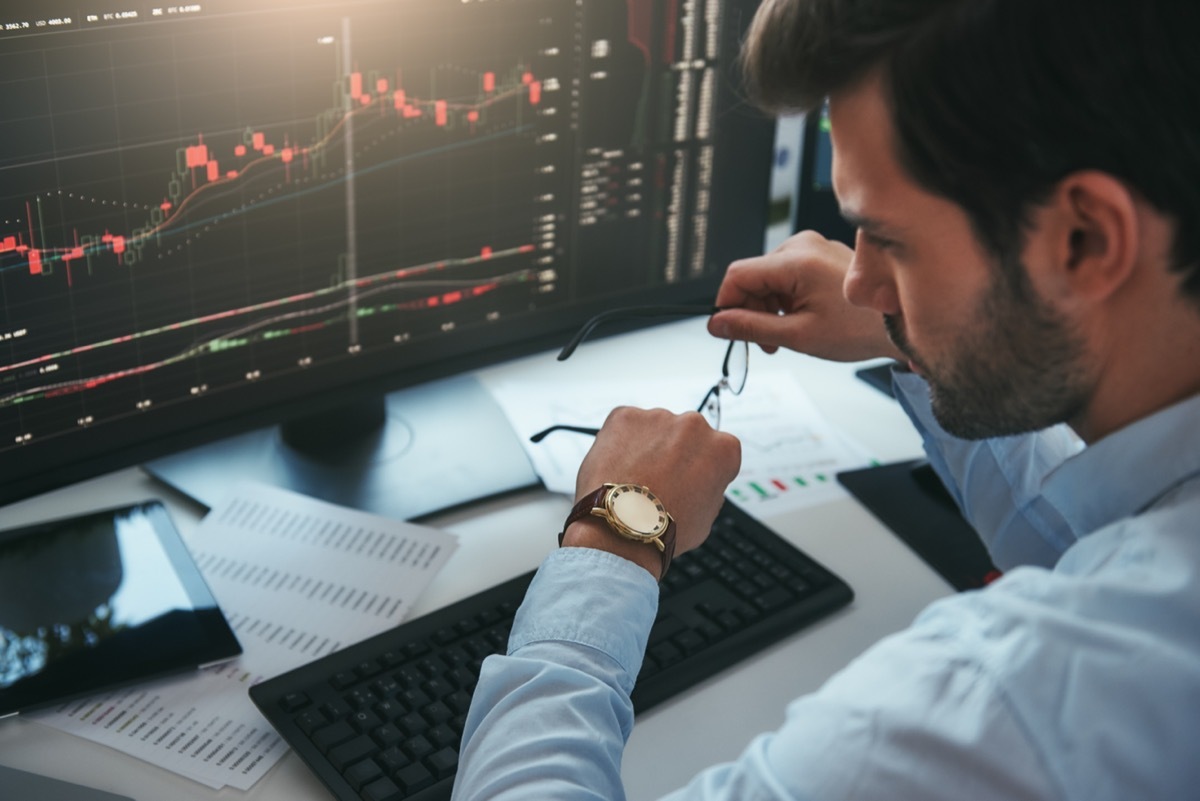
x: 297, y: 578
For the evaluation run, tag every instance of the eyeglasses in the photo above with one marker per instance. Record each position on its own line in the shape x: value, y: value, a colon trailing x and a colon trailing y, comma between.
x: 734, y: 368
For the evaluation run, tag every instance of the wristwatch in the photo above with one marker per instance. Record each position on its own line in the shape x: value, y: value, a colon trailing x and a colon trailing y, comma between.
x: 633, y: 512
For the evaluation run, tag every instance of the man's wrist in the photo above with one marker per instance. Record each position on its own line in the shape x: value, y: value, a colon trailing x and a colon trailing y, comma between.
x: 595, y: 533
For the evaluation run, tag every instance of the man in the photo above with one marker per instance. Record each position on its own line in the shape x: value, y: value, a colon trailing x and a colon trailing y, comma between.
x: 1025, y: 179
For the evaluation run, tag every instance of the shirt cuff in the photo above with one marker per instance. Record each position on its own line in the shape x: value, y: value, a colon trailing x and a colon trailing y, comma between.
x: 589, y: 597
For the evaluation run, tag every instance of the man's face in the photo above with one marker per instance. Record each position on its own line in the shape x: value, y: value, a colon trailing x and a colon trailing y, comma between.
x: 999, y: 360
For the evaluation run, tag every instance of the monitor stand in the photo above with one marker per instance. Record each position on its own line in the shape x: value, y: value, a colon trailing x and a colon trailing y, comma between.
x: 412, y: 453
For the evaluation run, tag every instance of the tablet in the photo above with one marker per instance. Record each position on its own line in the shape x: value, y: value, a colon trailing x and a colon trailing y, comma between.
x: 21, y: 784
x: 101, y: 600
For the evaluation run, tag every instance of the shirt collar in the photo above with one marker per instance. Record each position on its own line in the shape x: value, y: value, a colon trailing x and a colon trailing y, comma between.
x: 1128, y: 470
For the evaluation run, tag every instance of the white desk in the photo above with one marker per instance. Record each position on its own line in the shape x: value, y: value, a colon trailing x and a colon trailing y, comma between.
x: 504, y: 537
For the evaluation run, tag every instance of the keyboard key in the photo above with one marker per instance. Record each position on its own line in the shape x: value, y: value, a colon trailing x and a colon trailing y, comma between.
x: 311, y: 720
x: 389, y: 710
x: 432, y: 666
x: 442, y: 736
x: 463, y: 678
x: 335, y: 709
x: 443, y: 763
x: 359, y: 698
x: 409, y: 675
x: 437, y: 688
x: 363, y: 773
x: 293, y: 702
x: 413, y: 698
x: 436, y: 713
x: 417, y: 747
x: 415, y: 777
x: 365, y: 720
x: 746, y: 589
x: 666, y: 654
x: 773, y: 599
x: 728, y: 619
x: 387, y: 735
x: 368, y: 668
x: 666, y: 627
x: 416, y: 648
x: 343, y: 679
x: 385, y: 687
x: 690, y: 642
x: 649, y: 668
x: 382, y: 790
x: 478, y: 646
x: 412, y: 724
x: 392, y: 759
x: 455, y: 656
x: 352, y: 751
x: 459, y: 701
x: 327, y: 737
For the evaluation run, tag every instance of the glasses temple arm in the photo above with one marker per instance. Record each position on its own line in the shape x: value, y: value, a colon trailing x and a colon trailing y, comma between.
x: 541, y: 435
x: 629, y: 313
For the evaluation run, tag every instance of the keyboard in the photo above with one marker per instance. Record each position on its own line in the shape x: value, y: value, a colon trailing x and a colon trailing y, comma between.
x: 381, y: 720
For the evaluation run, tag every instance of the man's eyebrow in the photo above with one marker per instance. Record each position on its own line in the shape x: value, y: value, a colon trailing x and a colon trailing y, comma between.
x: 870, y: 225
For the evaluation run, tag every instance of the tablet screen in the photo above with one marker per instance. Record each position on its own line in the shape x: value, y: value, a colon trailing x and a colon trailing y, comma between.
x: 101, y: 600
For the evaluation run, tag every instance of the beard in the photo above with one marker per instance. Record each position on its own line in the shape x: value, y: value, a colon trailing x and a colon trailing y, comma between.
x: 1018, y: 369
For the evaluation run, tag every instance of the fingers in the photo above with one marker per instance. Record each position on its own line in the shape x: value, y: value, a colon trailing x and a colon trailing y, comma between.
x: 793, y: 298
x: 768, y: 330
x: 679, y: 457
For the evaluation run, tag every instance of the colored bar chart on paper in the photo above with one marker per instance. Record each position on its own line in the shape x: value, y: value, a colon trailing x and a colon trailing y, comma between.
x: 753, y: 491
x: 791, y: 454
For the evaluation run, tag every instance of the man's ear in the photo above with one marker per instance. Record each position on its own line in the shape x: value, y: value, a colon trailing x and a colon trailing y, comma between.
x: 1093, y: 225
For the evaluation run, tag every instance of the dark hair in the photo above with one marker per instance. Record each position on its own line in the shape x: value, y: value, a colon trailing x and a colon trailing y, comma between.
x: 995, y: 101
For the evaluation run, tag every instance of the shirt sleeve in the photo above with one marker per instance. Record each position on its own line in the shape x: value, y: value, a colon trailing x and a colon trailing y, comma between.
x: 997, y: 482
x: 915, y: 717
x: 551, y: 718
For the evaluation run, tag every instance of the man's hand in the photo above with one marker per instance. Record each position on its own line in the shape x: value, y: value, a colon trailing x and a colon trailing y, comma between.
x: 679, y: 457
x: 793, y: 298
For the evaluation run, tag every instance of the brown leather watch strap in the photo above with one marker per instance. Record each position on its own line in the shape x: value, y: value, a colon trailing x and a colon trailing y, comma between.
x: 583, y: 508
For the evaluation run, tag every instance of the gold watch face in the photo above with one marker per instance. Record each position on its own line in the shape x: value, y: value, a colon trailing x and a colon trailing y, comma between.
x: 638, y: 511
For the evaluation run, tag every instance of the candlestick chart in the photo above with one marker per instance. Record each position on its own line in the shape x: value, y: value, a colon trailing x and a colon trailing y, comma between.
x: 224, y: 195
x: 255, y: 195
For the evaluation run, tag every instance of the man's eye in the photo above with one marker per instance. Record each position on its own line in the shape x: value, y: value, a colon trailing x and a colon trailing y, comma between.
x: 878, y: 242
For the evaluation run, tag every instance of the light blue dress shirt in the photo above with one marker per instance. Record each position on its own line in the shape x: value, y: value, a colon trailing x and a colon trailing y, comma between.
x: 1075, y: 676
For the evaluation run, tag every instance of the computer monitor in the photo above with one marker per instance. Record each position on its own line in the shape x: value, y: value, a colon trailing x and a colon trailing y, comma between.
x: 223, y: 216
x: 816, y: 207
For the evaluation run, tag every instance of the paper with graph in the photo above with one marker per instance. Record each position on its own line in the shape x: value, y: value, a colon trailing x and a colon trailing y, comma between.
x: 790, y: 452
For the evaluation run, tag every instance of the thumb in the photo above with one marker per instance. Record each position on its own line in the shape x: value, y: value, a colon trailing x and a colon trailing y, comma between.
x: 768, y: 330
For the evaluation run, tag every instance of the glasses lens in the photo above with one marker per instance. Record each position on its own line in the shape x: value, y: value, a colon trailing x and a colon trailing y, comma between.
x: 737, y: 366
x: 711, y: 407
